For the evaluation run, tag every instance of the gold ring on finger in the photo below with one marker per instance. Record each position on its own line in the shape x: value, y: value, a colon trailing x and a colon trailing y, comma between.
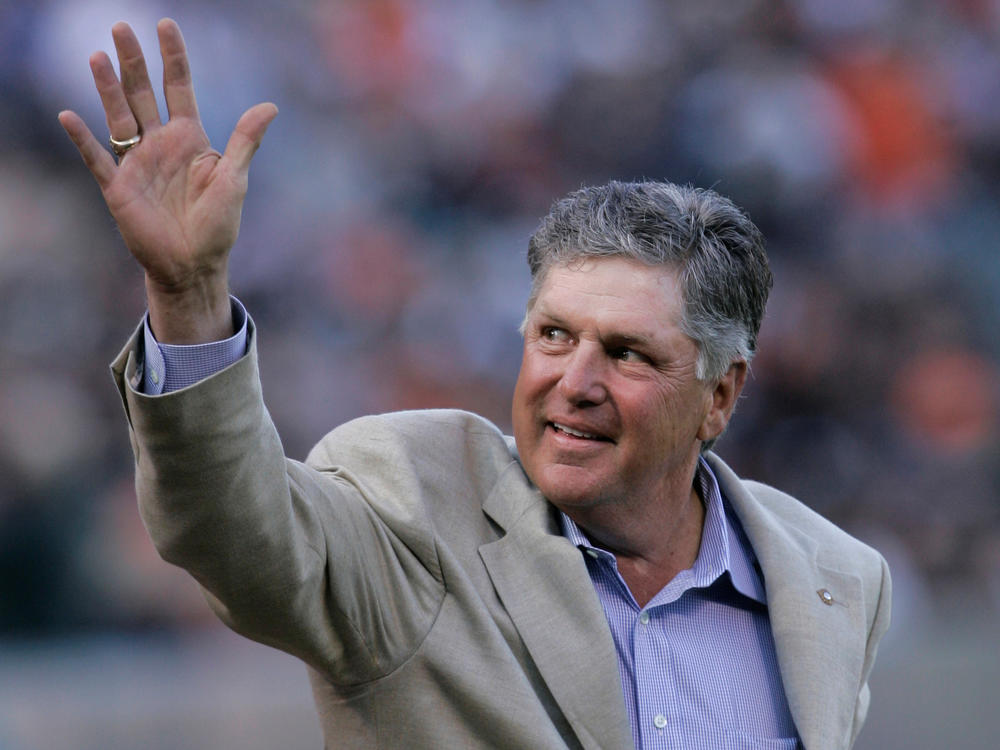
x: 121, y: 148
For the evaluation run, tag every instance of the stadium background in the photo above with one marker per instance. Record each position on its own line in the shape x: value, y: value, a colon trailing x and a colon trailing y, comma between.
x: 382, y: 256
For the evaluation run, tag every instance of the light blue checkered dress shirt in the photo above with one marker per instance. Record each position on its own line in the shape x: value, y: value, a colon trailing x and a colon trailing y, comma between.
x: 697, y: 663
x: 168, y: 367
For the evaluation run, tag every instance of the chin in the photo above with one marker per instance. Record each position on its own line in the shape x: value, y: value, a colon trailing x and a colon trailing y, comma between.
x: 564, y: 488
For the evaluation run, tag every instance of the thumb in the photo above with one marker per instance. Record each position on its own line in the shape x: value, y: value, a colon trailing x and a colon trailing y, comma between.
x: 248, y: 134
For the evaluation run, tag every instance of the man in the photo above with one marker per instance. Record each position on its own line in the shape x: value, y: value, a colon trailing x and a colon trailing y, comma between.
x: 601, y: 580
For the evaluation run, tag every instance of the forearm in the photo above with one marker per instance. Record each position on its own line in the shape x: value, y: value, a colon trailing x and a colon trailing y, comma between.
x: 283, y: 551
x: 197, y: 313
x: 214, y: 494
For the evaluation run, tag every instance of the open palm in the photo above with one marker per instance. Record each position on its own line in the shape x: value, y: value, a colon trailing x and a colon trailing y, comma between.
x: 176, y: 200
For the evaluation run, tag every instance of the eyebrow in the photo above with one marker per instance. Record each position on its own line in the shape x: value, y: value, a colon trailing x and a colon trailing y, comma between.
x: 614, y: 339
x: 549, y: 317
x: 627, y: 339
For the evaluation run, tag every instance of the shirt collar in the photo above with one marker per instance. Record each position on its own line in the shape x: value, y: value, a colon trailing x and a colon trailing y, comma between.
x: 724, y: 545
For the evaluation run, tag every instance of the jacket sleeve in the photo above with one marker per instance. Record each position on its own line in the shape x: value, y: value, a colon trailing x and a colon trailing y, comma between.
x: 300, y: 559
x: 880, y: 624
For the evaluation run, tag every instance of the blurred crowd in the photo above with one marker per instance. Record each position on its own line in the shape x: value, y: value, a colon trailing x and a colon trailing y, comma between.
x: 383, y: 244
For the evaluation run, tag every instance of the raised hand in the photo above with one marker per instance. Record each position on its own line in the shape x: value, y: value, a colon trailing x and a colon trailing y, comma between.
x: 177, y: 201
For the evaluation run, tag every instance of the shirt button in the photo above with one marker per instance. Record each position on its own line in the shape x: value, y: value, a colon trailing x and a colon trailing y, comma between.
x: 593, y: 553
x: 660, y: 721
x: 154, y: 376
x: 644, y: 618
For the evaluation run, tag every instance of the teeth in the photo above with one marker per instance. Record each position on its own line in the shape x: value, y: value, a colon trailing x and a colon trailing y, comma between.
x: 571, y: 431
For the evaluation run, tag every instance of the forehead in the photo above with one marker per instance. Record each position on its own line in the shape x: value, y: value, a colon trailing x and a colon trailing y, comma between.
x: 612, y: 290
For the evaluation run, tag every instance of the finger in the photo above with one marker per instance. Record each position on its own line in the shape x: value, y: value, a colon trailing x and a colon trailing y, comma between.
x: 248, y: 134
x: 177, y: 86
x: 100, y: 163
x: 121, y: 121
x: 135, y: 77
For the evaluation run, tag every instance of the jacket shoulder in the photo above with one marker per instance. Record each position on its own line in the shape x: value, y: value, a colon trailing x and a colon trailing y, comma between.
x: 437, y: 455
x: 434, y: 434
x: 790, y: 515
x: 794, y: 511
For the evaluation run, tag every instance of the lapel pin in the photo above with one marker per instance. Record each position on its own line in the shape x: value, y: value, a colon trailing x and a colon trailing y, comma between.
x: 825, y: 596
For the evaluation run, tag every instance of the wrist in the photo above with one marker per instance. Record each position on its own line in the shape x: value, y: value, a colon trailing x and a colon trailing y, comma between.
x: 197, y: 312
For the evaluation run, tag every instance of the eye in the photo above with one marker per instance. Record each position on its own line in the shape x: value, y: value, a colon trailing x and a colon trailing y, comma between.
x: 625, y: 354
x: 554, y: 335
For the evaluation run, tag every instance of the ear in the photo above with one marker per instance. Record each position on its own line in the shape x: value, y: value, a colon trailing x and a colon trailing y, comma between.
x: 724, y: 397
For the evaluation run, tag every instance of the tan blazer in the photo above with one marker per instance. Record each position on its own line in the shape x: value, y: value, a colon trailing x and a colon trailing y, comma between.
x: 423, y: 580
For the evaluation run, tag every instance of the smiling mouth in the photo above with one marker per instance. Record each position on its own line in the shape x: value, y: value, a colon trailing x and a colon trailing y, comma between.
x: 576, y: 433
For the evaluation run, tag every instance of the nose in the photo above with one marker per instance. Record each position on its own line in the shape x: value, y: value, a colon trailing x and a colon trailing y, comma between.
x: 583, y: 380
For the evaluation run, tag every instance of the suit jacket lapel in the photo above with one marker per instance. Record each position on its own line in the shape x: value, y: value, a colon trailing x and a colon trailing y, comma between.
x: 542, y: 580
x: 816, y: 618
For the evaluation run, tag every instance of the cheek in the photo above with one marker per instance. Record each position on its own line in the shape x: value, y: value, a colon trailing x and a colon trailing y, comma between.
x: 680, y: 413
x: 665, y: 413
x: 526, y: 433
x: 521, y: 408
x: 532, y: 379
x: 533, y: 384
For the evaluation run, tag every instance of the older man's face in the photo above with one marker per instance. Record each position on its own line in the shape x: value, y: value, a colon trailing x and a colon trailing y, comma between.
x: 607, y: 408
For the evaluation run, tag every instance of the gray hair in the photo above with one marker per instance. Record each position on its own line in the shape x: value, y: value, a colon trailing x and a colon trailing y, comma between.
x: 704, y: 237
